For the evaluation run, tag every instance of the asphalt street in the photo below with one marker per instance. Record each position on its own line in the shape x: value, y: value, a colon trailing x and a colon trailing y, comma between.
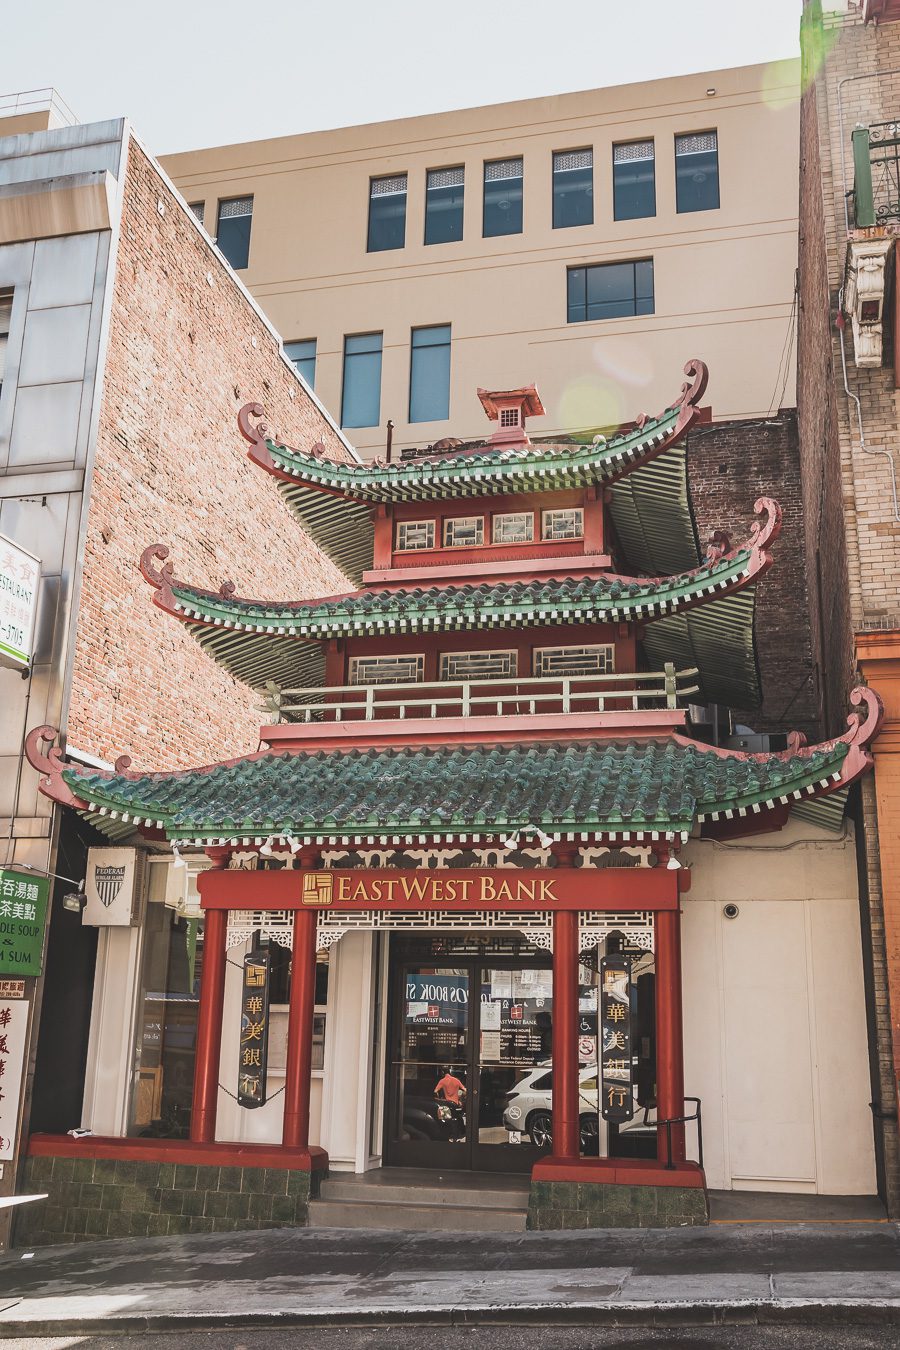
x: 489, y: 1338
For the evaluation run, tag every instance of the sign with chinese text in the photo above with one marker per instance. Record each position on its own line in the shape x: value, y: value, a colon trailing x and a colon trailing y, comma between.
x: 110, y: 887
x: 23, y: 915
x: 254, y: 1039
x: 13, y: 1033
x: 20, y: 573
x: 616, y: 1086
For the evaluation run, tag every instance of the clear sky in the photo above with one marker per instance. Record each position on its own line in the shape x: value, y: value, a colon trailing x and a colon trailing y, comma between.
x: 192, y: 73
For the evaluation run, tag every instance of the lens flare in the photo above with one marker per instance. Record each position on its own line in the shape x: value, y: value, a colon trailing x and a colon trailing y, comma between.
x: 781, y: 85
x: 591, y: 401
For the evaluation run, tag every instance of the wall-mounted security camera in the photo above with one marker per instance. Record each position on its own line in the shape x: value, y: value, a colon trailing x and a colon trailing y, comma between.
x: 730, y: 911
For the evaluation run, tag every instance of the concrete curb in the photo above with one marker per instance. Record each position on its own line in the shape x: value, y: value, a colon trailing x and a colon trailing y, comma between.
x: 703, y: 1313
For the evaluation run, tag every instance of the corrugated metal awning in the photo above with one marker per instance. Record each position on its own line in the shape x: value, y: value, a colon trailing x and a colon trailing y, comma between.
x: 719, y: 640
x: 651, y: 512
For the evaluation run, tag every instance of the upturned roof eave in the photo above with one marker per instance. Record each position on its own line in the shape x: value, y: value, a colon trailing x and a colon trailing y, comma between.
x: 800, y: 772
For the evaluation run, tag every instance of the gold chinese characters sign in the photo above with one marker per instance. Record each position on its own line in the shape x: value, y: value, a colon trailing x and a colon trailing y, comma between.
x: 254, y: 1039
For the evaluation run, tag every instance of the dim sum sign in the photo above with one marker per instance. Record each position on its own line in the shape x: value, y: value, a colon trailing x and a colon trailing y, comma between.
x: 19, y: 577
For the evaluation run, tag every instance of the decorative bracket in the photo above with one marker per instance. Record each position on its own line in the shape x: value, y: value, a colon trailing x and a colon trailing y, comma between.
x: 864, y: 292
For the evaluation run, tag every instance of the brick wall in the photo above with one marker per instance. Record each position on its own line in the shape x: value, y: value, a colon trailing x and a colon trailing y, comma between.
x: 186, y: 349
x: 853, y: 543
x: 730, y: 464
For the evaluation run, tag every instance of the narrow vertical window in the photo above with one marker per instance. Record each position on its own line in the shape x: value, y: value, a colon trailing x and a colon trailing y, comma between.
x: 303, y: 356
x: 387, y: 213
x: 634, y: 180
x: 429, y: 374
x: 5, y: 315
x: 502, y: 213
x: 697, y: 171
x: 361, y: 394
x: 444, y: 189
x: 233, y: 230
x: 196, y: 209
x: 573, y: 188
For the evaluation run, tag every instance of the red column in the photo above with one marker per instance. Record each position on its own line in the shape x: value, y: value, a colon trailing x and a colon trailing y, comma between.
x: 298, y: 1072
x: 209, y: 1028
x: 669, y: 1036
x: 566, y: 1142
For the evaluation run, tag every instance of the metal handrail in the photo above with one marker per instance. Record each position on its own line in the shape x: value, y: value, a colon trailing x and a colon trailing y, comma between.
x: 683, y: 1120
x: 363, y: 701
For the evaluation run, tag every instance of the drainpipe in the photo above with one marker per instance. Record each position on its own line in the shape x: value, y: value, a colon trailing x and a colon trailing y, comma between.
x: 868, y: 450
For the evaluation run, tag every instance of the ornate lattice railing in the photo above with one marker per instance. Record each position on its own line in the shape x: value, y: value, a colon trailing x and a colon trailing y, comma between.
x: 635, y: 691
x: 876, y: 174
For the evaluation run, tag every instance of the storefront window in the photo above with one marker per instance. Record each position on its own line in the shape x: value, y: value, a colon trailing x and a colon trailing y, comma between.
x: 168, y: 1002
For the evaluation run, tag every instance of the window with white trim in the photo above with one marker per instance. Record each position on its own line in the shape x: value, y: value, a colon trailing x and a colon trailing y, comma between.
x: 494, y: 665
x: 509, y: 417
x: 593, y: 660
x: 402, y: 668
x: 233, y: 230
x: 573, y: 188
x: 463, y: 531
x: 414, y: 534
x: 387, y: 213
x: 697, y: 171
x: 196, y: 209
x: 513, y: 527
x: 634, y: 180
x: 560, y: 524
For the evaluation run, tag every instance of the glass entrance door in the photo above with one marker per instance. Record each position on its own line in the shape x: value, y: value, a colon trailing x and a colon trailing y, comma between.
x: 470, y: 1081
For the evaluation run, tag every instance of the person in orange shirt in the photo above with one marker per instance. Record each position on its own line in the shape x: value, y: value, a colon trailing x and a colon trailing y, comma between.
x: 451, y: 1089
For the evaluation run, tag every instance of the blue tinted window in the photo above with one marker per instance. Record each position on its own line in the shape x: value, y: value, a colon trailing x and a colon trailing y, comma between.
x: 303, y: 355
x: 429, y: 374
x: 444, y: 205
x: 233, y: 230
x: 573, y: 188
x: 502, y: 198
x: 610, y: 291
x: 387, y: 213
x: 361, y: 395
x: 697, y: 171
x: 634, y: 180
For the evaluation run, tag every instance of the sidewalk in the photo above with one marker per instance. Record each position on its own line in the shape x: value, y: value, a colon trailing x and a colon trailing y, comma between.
x: 824, y: 1274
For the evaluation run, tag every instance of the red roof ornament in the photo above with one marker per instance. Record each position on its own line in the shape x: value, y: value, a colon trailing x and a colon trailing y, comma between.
x: 510, y: 407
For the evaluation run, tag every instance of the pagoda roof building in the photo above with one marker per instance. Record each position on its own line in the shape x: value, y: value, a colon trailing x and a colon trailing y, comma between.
x: 491, y: 732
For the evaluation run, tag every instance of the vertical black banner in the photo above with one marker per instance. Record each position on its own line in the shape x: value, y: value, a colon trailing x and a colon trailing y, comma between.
x: 616, y: 1095
x: 254, y: 1043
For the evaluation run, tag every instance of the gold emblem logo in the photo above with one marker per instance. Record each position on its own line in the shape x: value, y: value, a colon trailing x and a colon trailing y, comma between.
x: 317, y: 888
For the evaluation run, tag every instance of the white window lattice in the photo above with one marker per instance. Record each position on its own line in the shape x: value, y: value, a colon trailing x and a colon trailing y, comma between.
x: 196, y: 210
x: 415, y: 534
x: 478, y: 665
x: 444, y: 178
x: 698, y: 143
x: 275, y: 924
x: 502, y: 168
x: 560, y: 525
x: 535, y: 925
x: 238, y: 206
x: 573, y: 159
x: 516, y: 527
x: 387, y: 669
x: 463, y: 531
x: 509, y: 417
x: 624, y: 154
x: 594, y: 660
x: 388, y: 187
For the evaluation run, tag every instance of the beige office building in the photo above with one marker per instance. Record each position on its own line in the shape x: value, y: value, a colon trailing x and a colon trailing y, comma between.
x: 586, y: 242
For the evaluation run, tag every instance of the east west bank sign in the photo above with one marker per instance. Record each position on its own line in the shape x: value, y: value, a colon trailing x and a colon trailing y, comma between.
x: 470, y: 888
x: 19, y: 580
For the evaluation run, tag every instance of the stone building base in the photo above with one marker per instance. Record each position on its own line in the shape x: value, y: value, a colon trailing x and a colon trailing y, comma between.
x: 108, y: 1195
x: 616, y: 1193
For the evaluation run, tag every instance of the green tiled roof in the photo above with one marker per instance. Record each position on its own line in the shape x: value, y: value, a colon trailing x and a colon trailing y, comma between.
x: 452, y: 608
x: 486, y: 469
x: 616, y: 789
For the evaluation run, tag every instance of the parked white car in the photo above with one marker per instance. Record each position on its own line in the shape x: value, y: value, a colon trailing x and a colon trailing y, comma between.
x: 529, y: 1109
